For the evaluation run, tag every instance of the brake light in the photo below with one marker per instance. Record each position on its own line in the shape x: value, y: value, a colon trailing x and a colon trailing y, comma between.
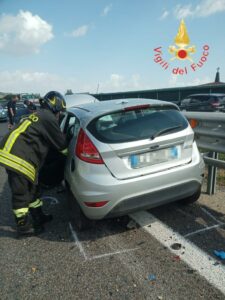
x: 86, y: 150
x: 144, y: 106
x: 215, y: 104
x: 96, y: 204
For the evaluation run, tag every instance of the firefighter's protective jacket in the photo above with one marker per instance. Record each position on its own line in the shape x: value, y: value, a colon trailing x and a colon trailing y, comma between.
x: 24, y: 149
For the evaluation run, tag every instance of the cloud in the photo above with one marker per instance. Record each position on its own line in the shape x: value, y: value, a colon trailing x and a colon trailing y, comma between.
x: 119, y: 83
x: 164, y: 15
x: 135, y: 81
x: 210, y: 7
x: 80, y: 31
x: 41, y: 82
x: 106, y: 10
x: 182, y: 12
x: 173, y: 80
x: 37, y: 82
x: 176, y: 81
x: 204, y: 9
x: 116, y: 80
x: 23, y: 34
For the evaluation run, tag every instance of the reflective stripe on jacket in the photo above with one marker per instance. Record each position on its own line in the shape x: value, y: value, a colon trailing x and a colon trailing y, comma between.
x: 24, y: 149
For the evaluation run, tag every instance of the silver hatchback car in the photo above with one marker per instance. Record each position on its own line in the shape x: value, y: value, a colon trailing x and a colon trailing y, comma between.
x: 127, y: 155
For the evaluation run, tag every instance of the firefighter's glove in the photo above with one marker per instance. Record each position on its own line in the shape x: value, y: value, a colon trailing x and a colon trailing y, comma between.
x: 65, y: 151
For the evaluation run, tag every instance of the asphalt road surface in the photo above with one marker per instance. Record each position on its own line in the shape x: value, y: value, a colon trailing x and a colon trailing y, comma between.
x: 164, y: 253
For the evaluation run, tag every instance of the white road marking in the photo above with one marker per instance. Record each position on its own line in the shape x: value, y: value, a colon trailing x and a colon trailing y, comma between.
x: 77, y: 242
x: 198, y: 260
x: 184, y: 213
x: 112, y: 253
x: 211, y: 216
x: 206, y: 228
x: 202, y: 230
x: 82, y: 251
x: 7, y: 228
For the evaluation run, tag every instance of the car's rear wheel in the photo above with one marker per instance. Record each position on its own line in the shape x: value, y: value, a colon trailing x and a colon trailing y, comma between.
x: 191, y: 199
x: 79, y: 220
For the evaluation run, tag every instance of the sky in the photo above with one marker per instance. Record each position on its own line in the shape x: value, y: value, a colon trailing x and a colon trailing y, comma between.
x: 101, y: 46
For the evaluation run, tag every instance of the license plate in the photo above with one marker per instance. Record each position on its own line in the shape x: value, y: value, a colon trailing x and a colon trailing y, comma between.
x: 154, y: 157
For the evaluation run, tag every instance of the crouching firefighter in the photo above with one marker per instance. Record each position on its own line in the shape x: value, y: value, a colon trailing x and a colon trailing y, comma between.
x: 22, y: 153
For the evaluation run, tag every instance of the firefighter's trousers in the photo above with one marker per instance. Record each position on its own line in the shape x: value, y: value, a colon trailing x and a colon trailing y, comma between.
x: 24, y: 194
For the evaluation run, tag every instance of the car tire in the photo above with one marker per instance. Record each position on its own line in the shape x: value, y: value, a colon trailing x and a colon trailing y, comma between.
x: 77, y: 217
x: 191, y: 199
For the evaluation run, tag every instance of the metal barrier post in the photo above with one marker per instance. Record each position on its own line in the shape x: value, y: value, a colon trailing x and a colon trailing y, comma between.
x: 212, y: 172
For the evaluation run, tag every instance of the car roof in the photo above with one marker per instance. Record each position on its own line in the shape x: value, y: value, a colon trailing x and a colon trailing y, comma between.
x: 207, y: 94
x: 78, y: 99
x: 86, y: 112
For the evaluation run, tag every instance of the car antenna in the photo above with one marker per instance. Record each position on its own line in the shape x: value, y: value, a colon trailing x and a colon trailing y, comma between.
x: 97, y: 88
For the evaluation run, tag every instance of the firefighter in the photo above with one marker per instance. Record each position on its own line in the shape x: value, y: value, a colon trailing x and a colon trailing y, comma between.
x: 22, y: 153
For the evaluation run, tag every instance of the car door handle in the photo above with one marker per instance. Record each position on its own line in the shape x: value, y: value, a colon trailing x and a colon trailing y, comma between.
x: 72, y: 165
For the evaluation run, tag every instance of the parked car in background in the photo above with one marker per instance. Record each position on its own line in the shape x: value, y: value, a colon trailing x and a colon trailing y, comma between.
x: 3, y: 113
x: 203, y: 102
x: 21, y: 111
x: 127, y: 155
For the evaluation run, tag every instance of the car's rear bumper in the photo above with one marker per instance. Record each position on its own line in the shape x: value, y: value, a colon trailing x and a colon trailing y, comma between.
x: 124, y: 196
x: 156, y: 198
x: 126, y: 199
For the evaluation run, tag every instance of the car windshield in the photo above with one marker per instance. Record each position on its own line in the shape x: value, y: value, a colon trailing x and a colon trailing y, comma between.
x: 186, y: 100
x: 137, y: 124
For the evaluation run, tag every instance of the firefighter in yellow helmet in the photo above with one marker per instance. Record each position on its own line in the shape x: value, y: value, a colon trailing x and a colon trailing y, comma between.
x: 22, y: 153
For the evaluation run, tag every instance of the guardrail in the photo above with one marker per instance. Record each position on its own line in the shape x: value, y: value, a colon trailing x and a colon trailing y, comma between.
x: 209, y: 128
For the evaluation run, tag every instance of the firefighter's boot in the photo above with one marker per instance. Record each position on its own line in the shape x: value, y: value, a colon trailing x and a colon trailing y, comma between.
x: 26, y: 228
x: 39, y: 217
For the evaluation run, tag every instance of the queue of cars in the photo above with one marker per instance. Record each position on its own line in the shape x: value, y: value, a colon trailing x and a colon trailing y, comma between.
x: 21, y: 111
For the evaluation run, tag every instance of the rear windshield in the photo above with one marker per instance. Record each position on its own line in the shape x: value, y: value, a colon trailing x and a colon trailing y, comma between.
x: 201, y: 98
x: 137, y: 124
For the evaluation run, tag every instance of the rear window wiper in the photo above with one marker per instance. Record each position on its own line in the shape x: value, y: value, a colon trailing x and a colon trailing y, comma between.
x: 165, y: 130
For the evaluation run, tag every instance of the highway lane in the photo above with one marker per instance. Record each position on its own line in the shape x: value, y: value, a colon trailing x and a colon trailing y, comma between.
x: 116, y: 259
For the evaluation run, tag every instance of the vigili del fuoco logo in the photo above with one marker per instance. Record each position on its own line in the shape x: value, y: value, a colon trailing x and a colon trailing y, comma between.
x: 182, y: 50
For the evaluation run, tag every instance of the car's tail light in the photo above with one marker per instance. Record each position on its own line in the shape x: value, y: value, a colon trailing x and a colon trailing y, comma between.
x: 96, y: 204
x: 86, y: 150
x: 215, y: 104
